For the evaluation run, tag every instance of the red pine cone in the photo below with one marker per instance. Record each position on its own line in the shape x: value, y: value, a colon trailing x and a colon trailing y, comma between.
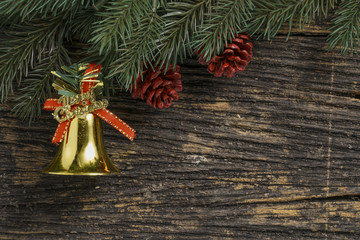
x: 234, y: 58
x: 159, y: 88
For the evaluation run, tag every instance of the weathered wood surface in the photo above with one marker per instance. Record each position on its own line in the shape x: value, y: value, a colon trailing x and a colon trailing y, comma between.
x: 270, y: 154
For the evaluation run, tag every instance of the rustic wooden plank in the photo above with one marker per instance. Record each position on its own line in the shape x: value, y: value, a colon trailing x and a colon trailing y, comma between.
x: 270, y: 154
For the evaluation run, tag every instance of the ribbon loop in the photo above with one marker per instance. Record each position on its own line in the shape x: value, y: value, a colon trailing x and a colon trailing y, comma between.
x: 67, y: 107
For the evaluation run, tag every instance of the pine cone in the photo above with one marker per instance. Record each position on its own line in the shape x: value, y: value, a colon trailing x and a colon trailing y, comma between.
x: 234, y: 58
x: 158, y: 88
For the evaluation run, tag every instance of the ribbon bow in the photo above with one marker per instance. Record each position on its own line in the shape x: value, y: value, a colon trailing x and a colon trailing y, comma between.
x: 67, y: 107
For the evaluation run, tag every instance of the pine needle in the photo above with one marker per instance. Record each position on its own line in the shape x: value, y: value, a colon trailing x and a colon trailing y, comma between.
x: 36, y: 86
x: 138, y: 52
x: 181, y: 20
x: 19, y: 11
x: 126, y: 36
x: 269, y: 16
x: 222, y: 23
x: 23, y: 46
x: 346, y: 30
x: 116, y: 22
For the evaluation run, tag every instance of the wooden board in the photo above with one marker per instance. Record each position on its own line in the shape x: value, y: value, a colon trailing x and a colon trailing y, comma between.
x: 273, y: 153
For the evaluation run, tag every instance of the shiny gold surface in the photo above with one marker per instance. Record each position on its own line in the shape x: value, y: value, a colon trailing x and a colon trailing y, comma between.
x: 82, y: 151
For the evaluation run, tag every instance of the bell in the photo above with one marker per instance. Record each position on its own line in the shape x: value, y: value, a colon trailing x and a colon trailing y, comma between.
x: 82, y: 151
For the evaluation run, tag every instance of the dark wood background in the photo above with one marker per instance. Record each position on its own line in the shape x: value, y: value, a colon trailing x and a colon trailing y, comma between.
x: 270, y: 154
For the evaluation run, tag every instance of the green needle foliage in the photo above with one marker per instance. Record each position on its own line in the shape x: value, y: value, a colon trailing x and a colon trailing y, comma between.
x: 135, y: 54
x: 22, y: 47
x: 81, y: 25
x: 128, y: 36
x: 116, y: 23
x: 346, y: 30
x: 36, y: 87
x: 270, y: 16
x: 20, y: 11
x: 222, y: 22
x: 180, y: 22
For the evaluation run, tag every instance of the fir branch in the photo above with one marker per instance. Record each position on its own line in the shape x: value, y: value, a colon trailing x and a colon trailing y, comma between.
x: 36, y: 86
x: 97, y: 6
x: 24, y: 10
x: 222, y: 23
x: 116, y: 23
x: 269, y: 16
x: 346, y: 30
x: 82, y: 24
x: 180, y: 20
x: 23, y: 46
x: 138, y: 50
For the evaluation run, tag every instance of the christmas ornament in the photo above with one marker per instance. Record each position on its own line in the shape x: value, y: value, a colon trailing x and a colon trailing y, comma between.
x: 78, y: 111
x: 159, y: 88
x: 235, y: 57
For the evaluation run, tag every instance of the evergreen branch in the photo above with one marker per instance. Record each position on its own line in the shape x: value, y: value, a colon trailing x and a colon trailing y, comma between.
x: 116, y: 23
x: 24, y: 10
x: 82, y: 24
x: 97, y: 6
x: 222, y: 23
x: 36, y: 86
x: 138, y: 50
x: 126, y: 36
x: 23, y: 47
x: 269, y: 16
x: 346, y: 30
x: 180, y: 20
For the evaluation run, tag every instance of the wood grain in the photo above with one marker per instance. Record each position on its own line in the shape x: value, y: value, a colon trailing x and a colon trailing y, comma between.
x: 270, y: 154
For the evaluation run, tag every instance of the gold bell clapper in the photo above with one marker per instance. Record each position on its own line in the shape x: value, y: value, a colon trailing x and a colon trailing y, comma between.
x: 79, y: 112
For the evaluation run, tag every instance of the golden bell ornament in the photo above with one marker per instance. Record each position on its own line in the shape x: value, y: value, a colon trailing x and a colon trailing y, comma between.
x: 82, y: 151
x: 79, y: 112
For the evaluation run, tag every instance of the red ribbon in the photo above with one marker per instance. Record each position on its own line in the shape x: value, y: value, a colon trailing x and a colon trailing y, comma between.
x: 51, y: 104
